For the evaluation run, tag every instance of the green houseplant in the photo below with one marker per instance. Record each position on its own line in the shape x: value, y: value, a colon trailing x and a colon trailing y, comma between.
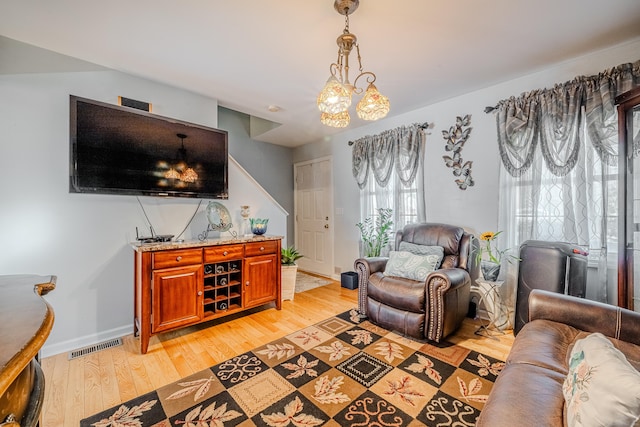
x: 289, y: 255
x: 289, y: 269
x: 375, y: 232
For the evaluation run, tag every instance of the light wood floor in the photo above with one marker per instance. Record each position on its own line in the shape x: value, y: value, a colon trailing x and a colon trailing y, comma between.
x: 84, y: 386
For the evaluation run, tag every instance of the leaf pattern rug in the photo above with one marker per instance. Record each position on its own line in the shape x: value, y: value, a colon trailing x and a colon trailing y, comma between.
x: 343, y: 371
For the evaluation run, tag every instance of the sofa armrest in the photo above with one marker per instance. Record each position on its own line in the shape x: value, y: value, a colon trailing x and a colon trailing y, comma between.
x: 438, y: 285
x: 586, y: 315
x: 365, y: 267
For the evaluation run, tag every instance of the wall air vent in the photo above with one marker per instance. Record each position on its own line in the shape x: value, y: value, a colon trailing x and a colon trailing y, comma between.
x: 93, y: 348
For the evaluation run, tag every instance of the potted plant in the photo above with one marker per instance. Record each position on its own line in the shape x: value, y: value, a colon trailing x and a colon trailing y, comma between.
x: 374, y: 232
x: 490, y: 266
x: 288, y: 257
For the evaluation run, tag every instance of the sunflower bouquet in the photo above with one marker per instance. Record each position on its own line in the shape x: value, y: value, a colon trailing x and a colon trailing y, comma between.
x: 494, y: 254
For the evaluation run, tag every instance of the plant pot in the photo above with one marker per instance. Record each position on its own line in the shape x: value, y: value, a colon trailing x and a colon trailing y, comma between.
x: 288, y: 281
x: 490, y: 270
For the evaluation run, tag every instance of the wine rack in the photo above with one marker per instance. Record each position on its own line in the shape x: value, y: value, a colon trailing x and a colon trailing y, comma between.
x: 222, y: 287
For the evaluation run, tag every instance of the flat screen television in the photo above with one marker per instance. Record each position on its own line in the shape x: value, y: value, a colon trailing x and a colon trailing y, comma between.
x: 122, y: 150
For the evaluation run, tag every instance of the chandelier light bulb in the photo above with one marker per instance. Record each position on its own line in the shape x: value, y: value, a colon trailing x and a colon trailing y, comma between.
x: 373, y: 105
x: 337, y: 120
x: 334, y: 97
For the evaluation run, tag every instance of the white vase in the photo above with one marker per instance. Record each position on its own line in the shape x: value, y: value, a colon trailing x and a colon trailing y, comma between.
x: 288, y: 281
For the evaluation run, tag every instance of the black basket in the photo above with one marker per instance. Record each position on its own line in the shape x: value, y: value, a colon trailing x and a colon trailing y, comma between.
x: 349, y: 280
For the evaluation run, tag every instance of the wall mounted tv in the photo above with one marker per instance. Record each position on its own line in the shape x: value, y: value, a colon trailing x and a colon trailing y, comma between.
x: 122, y: 150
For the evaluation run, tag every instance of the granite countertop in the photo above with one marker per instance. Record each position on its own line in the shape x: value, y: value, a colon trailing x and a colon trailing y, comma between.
x: 162, y: 246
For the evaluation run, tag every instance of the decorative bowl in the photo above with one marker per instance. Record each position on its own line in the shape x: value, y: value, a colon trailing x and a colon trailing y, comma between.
x: 258, y: 226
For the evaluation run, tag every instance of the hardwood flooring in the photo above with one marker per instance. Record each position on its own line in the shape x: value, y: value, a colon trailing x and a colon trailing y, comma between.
x: 84, y: 386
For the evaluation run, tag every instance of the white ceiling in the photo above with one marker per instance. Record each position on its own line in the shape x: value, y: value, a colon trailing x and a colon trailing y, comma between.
x: 250, y: 54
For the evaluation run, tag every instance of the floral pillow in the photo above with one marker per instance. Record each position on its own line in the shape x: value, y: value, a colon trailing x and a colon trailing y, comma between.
x: 410, y: 266
x: 602, y: 388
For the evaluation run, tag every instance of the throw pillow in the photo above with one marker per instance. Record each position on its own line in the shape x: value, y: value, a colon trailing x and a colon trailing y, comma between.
x: 423, y: 250
x: 410, y: 266
x: 602, y: 388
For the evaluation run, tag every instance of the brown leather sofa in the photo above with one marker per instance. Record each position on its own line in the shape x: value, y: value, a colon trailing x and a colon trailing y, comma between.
x: 430, y: 309
x: 528, y: 392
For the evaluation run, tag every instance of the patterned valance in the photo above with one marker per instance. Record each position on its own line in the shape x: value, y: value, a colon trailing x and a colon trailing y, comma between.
x: 554, y: 117
x: 398, y: 150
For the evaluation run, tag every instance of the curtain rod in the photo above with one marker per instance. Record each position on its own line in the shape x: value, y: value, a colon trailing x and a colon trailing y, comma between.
x: 424, y: 125
x: 609, y: 74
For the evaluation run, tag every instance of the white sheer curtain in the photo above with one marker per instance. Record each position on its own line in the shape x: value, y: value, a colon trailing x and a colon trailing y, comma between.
x: 388, y: 168
x: 567, y: 189
x: 579, y: 207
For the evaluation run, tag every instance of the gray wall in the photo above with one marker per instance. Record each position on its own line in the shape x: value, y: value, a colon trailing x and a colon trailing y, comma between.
x: 269, y: 164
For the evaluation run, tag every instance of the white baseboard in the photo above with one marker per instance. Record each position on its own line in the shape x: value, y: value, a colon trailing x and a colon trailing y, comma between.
x: 76, y: 343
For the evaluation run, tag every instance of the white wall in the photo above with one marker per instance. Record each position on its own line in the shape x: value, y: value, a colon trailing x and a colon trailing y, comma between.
x: 476, y: 208
x: 81, y: 238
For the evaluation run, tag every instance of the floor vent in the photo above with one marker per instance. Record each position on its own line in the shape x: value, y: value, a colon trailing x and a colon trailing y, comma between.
x: 93, y: 348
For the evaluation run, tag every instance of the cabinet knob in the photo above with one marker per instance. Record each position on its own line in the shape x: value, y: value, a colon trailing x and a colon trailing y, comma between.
x: 199, y: 293
x: 262, y: 248
x: 178, y: 258
x: 246, y: 283
x: 225, y: 253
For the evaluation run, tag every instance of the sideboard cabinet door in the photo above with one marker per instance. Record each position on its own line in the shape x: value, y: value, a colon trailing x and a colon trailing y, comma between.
x: 177, y: 295
x: 261, y: 280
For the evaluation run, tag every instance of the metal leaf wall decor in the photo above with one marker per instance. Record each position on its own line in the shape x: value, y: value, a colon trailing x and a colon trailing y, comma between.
x: 455, y: 139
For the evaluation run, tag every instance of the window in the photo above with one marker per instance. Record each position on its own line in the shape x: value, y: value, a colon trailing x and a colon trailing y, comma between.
x: 577, y: 208
x: 404, y: 201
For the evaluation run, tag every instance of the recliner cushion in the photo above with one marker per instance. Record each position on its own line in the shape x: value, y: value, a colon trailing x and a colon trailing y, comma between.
x: 397, y: 292
x: 404, y: 322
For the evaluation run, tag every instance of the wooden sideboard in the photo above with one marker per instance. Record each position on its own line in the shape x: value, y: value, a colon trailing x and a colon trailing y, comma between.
x: 182, y: 284
x: 25, y: 322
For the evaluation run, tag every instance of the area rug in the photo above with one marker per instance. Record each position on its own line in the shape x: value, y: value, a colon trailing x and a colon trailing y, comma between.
x: 305, y: 282
x: 339, y: 372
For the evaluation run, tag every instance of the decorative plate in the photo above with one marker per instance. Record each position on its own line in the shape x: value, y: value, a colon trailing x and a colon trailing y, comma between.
x: 218, y: 217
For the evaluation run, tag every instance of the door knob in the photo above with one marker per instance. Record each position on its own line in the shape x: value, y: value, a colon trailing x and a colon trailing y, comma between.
x: 326, y: 226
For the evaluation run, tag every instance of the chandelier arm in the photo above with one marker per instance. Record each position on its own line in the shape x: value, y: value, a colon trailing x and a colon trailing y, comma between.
x: 359, y: 58
x: 370, y: 78
x: 336, y: 70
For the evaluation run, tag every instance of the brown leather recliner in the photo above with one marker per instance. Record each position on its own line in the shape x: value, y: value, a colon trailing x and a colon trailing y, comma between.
x: 431, y: 309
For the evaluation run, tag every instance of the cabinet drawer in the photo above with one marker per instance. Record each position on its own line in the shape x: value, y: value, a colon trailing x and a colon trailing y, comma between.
x: 220, y: 253
x: 176, y: 258
x: 261, y: 248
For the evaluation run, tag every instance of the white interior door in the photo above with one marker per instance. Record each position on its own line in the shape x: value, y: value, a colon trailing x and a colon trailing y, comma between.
x: 313, y: 215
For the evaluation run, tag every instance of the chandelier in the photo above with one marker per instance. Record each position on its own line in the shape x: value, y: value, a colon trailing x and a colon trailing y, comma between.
x: 335, y: 98
x: 181, y: 170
